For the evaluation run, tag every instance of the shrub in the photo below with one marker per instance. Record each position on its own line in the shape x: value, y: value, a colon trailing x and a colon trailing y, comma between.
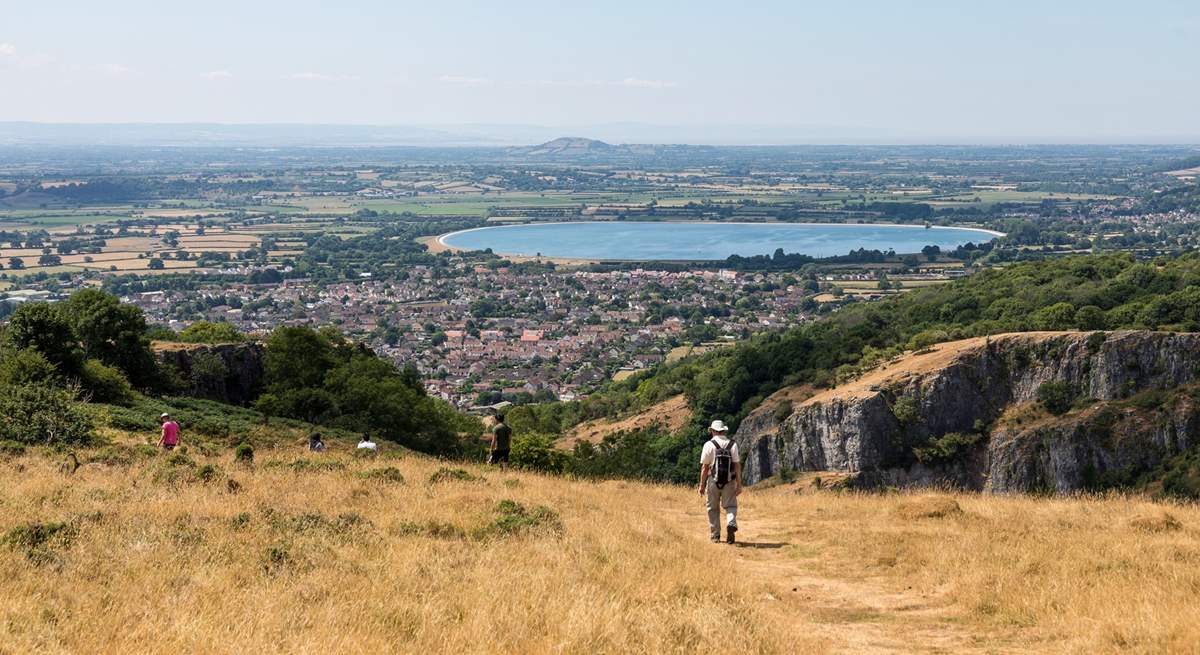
x: 39, y: 540
x: 1150, y: 399
x: 513, y: 518
x: 305, y: 465
x: 1056, y: 397
x: 10, y: 448
x: 43, y: 415
x: 206, y: 332
x: 445, y: 474
x: 906, y: 410
x: 385, y: 474
x: 277, y: 559
x: 122, y: 454
x: 26, y: 366
x: 1090, y: 317
x: 208, y: 473
x: 782, y: 411
x: 536, y: 452
x: 175, y: 469
x: 107, y: 384
x: 244, y: 453
x: 927, y: 338
x: 946, y: 448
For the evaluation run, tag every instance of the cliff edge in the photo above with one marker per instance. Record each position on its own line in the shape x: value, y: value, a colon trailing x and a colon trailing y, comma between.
x: 1036, y: 411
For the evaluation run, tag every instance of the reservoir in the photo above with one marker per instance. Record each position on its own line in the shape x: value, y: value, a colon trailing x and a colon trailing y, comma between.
x: 645, y: 241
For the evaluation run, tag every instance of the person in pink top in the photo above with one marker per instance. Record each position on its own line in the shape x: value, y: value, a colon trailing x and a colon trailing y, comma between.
x: 170, y: 433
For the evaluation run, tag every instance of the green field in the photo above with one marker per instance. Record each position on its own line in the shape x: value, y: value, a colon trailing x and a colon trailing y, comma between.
x: 58, y: 220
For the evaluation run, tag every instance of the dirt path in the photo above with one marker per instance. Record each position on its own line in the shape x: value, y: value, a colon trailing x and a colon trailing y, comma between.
x: 850, y: 614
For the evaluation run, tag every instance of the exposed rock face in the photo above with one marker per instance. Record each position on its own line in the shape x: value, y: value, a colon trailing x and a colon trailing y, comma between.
x: 985, y: 390
x: 231, y: 372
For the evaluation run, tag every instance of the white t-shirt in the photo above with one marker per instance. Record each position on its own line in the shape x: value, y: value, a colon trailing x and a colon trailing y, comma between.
x: 709, y: 453
x: 368, y: 445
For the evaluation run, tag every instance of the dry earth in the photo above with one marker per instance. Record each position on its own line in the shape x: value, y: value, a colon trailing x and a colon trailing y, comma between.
x: 670, y: 414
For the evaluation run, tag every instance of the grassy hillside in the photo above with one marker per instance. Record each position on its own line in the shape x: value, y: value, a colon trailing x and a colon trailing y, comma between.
x: 332, y: 553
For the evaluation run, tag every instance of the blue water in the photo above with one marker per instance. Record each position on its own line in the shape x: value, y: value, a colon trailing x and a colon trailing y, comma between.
x: 651, y: 241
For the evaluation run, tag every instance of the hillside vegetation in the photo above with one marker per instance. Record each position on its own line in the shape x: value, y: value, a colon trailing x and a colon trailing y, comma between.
x: 1105, y: 292
x: 69, y: 368
x: 402, y: 553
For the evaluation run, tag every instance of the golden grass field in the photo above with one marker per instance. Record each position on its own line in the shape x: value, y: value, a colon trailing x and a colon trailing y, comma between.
x: 151, y: 559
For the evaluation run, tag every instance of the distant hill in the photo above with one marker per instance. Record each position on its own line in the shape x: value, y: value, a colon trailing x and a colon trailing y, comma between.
x: 569, y: 146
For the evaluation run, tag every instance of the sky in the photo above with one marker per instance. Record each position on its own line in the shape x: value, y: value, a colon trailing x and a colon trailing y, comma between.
x: 932, y: 70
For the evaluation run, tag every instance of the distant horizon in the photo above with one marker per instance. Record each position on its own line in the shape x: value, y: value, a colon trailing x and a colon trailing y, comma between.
x: 504, y: 135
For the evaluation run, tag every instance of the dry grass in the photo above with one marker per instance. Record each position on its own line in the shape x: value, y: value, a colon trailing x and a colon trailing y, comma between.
x: 302, y: 559
x: 670, y: 415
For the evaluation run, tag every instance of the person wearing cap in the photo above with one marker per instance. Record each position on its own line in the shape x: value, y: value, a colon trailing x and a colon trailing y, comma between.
x: 720, y: 480
x: 170, y: 433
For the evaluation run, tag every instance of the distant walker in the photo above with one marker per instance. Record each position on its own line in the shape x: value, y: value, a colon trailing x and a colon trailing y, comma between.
x: 170, y: 433
x: 501, y: 442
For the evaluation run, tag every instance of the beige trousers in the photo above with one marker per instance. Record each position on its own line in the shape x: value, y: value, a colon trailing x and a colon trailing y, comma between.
x: 714, y: 500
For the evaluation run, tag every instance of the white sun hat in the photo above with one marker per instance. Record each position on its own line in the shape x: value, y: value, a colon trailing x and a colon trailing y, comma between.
x: 719, y: 426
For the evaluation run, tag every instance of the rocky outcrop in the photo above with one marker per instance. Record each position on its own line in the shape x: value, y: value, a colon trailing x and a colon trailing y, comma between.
x: 230, y: 372
x: 966, y: 413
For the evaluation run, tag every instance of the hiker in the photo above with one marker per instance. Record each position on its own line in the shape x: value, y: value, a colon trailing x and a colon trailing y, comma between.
x: 720, y: 480
x: 315, y: 444
x: 366, y: 444
x: 170, y: 433
x: 501, y: 440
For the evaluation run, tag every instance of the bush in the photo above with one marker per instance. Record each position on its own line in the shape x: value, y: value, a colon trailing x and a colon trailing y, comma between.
x: 536, y: 452
x: 37, y: 414
x: 946, y: 448
x: 445, y: 474
x: 1056, y: 397
x: 906, y: 410
x: 122, y: 455
x: 26, y: 366
x: 107, y: 384
x: 39, y: 540
x: 206, y: 332
x: 385, y: 474
x: 243, y: 453
x: 208, y: 473
x: 305, y: 465
x: 782, y: 411
x: 11, y: 449
x: 513, y: 519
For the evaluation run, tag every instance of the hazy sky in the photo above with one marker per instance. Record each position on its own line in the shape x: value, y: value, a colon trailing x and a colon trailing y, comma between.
x: 1047, y: 69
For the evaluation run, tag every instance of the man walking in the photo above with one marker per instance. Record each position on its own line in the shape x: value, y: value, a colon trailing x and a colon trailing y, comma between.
x: 501, y: 441
x: 170, y: 433
x: 720, y: 480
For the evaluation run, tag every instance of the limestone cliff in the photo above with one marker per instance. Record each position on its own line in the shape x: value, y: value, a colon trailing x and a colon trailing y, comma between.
x: 230, y: 372
x: 967, y: 413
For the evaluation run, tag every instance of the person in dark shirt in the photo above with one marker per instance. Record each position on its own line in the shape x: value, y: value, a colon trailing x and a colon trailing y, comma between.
x: 501, y: 440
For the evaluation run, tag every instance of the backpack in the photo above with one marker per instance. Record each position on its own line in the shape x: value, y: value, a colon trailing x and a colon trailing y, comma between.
x: 722, y: 464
